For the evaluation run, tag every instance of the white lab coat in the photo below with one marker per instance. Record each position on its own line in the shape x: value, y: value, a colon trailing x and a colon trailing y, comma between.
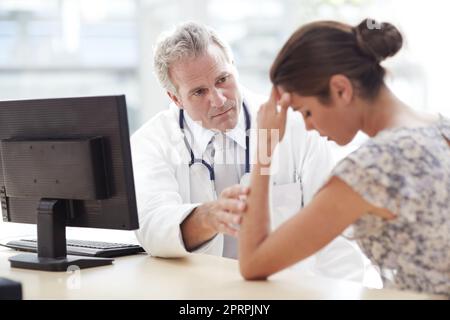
x: 166, y: 194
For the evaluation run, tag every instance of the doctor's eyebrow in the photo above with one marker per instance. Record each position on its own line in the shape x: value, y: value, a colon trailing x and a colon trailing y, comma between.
x: 223, y: 75
x: 194, y: 90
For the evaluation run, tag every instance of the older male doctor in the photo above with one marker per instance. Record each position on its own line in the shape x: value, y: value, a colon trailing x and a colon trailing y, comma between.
x: 190, y: 159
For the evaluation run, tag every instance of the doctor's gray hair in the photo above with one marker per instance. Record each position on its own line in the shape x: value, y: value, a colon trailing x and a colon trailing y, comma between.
x: 190, y: 39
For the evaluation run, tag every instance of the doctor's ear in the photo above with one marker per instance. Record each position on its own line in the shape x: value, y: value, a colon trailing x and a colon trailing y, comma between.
x: 341, y: 89
x: 175, y: 99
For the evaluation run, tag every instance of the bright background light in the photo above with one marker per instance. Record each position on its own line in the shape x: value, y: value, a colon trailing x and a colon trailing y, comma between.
x: 62, y: 48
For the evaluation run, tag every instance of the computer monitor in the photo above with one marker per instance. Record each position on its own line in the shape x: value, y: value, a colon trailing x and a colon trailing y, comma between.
x: 65, y: 162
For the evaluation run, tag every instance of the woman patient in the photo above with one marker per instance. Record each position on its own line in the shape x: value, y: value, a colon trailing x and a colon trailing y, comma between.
x: 394, y: 190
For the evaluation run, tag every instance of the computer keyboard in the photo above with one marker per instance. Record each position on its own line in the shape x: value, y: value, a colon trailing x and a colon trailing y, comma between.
x: 83, y: 248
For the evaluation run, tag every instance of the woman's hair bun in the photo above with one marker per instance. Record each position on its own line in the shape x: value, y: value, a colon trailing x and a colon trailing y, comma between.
x: 378, y: 40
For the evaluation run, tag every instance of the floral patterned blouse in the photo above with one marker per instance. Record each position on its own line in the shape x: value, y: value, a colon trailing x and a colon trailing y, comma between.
x: 407, y: 171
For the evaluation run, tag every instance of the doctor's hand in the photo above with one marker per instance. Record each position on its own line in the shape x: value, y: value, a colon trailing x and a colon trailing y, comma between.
x: 272, y: 120
x: 224, y: 215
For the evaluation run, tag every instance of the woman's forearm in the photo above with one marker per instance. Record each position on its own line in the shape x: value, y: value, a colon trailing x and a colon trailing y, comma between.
x: 255, y: 226
x: 256, y: 221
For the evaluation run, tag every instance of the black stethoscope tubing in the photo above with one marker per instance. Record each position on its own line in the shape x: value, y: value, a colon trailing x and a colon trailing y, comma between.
x: 206, y: 164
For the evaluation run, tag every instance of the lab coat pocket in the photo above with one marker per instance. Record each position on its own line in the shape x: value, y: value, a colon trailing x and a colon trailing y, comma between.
x: 286, y: 201
x: 201, y: 187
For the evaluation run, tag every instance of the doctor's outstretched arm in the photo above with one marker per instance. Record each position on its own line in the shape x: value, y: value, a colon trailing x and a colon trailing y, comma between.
x: 169, y: 225
x: 208, y: 219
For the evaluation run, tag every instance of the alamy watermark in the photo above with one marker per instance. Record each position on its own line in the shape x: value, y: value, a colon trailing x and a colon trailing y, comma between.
x: 372, y: 24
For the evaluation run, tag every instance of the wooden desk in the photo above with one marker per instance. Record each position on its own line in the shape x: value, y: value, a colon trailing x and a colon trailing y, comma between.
x: 195, y: 277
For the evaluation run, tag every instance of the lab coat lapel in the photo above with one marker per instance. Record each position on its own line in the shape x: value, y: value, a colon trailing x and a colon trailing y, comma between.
x: 194, y: 183
x: 180, y: 155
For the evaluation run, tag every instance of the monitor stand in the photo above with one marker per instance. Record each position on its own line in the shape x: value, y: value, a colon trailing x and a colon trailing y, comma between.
x: 51, y: 242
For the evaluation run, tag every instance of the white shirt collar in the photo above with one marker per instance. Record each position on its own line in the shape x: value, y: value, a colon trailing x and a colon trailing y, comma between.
x: 202, y: 136
x: 199, y: 136
x: 238, y: 132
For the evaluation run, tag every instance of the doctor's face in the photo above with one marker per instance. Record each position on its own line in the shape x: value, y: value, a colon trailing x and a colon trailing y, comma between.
x: 207, y: 89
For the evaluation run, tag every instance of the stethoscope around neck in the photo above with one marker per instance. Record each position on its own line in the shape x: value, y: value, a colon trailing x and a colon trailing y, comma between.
x: 206, y: 164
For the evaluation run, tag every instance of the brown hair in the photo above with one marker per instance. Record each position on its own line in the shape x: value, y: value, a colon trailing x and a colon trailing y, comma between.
x: 321, y: 49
